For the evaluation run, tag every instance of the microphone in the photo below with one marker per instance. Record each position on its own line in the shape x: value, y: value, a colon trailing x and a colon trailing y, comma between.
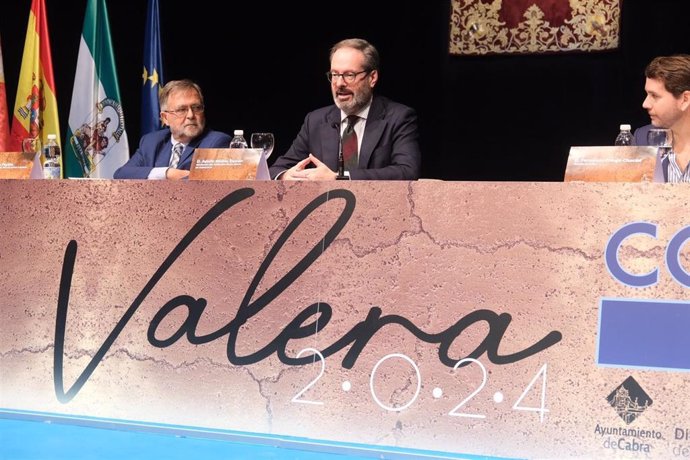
x: 341, y: 160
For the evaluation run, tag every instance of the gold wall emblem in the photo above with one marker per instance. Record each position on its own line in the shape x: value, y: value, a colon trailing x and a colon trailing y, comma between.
x: 479, y: 27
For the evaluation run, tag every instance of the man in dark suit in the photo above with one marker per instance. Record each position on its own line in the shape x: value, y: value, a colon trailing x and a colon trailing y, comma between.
x: 379, y: 138
x: 167, y: 153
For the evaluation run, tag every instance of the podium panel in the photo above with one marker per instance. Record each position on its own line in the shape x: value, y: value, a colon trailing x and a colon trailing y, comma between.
x: 460, y: 318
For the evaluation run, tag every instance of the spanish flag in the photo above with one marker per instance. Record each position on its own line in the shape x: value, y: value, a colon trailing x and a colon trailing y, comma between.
x: 4, y: 117
x: 35, y: 107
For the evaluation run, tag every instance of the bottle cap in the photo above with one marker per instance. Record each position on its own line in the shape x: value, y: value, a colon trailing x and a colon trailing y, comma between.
x: 52, y: 136
x: 238, y: 132
x: 625, y: 127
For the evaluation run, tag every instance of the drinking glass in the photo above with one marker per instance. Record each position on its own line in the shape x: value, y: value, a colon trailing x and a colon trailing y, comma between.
x: 31, y: 144
x: 263, y: 141
x: 661, y: 138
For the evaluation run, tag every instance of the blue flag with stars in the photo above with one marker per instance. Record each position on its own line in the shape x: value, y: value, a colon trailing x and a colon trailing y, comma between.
x: 153, y: 72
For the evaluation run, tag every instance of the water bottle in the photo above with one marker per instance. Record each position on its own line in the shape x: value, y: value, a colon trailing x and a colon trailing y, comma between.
x: 238, y: 142
x: 625, y: 137
x: 51, y: 158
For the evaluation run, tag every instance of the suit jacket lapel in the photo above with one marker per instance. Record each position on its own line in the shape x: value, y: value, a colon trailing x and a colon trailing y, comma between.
x: 372, y: 132
x: 330, y: 139
x: 163, y: 152
x: 189, y: 148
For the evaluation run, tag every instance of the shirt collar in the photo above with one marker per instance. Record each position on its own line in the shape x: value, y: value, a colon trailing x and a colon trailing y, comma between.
x: 364, y: 113
x: 174, y: 141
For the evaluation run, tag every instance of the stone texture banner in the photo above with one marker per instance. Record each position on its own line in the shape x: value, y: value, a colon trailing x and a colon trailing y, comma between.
x: 467, y: 318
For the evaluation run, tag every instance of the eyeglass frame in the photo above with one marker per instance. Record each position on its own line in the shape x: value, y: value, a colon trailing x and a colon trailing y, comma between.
x: 182, y: 111
x: 348, y: 77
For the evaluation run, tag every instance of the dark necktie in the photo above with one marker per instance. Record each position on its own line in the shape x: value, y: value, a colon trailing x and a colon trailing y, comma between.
x: 175, y: 157
x: 350, y: 156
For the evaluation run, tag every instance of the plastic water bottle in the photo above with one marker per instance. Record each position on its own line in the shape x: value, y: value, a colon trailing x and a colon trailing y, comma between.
x: 238, y: 141
x: 625, y: 137
x: 51, y: 158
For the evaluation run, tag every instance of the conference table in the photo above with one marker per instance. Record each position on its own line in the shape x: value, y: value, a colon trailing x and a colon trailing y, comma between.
x: 357, y: 319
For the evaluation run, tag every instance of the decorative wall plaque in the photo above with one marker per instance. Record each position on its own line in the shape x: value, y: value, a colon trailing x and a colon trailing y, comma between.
x: 479, y: 27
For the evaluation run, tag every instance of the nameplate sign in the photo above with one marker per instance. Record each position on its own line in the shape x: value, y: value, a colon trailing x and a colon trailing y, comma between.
x: 611, y: 164
x: 228, y: 164
x: 18, y: 165
x: 526, y: 320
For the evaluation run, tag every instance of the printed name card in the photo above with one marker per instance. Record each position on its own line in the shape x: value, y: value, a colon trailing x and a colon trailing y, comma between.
x: 19, y: 165
x: 228, y: 164
x: 611, y: 164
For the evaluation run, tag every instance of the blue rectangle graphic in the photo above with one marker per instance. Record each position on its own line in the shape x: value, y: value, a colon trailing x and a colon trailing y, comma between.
x: 644, y: 334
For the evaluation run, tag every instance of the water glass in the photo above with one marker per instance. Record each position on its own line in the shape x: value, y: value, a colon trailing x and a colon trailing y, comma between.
x: 31, y: 145
x: 263, y: 141
x: 661, y: 138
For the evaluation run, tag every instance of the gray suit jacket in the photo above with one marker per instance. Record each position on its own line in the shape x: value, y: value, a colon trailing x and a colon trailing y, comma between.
x: 661, y: 168
x: 390, y: 145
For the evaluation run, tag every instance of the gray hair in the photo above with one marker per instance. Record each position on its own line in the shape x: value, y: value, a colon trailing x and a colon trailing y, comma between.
x: 175, y: 86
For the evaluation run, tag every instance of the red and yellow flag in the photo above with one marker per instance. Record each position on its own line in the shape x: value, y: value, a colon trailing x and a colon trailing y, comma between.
x: 35, y: 107
x: 4, y: 117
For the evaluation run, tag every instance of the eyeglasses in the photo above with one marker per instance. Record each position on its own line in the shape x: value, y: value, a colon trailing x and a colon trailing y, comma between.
x: 182, y: 111
x: 348, y: 77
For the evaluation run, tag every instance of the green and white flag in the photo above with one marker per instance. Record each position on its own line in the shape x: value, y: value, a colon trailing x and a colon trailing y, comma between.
x: 96, y: 138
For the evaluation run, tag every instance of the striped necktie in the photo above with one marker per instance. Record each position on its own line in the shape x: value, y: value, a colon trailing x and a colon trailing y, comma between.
x: 350, y: 154
x: 175, y: 157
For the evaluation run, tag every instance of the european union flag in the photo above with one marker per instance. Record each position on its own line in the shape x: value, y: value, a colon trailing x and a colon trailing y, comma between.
x: 153, y: 72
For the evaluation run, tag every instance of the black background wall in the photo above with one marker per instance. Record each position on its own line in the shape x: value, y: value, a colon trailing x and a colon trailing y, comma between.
x: 262, y: 65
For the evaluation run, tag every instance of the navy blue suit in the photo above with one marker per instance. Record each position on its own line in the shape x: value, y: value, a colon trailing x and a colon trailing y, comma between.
x: 155, y: 149
x: 661, y: 168
x: 390, y: 145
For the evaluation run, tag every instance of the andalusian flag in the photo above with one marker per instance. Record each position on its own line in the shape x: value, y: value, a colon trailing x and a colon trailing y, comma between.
x: 35, y: 107
x: 97, y: 140
x: 4, y: 116
x: 153, y: 72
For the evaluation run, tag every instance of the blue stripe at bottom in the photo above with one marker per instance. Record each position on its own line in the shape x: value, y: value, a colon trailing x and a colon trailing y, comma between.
x: 34, y: 435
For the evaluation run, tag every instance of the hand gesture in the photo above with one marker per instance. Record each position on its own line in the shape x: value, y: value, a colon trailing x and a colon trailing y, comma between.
x: 301, y: 171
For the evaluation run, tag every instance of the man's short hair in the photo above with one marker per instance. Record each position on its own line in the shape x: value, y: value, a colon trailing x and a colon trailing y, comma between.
x: 371, y: 54
x: 672, y: 71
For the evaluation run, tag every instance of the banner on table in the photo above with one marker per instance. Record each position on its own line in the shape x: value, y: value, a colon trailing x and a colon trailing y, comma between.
x: 356, y: 313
